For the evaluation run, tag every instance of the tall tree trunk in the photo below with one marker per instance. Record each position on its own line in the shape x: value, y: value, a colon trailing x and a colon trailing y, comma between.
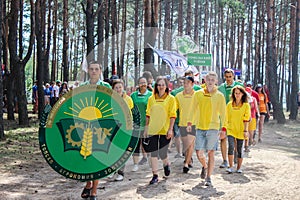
x: 196, y: 24
x: 1, y: 81
x: 249, y: 42
x: 40, y: 47
x: 135, y: 42
x: 180, y: 17
x: 188, y: 29
x: 123, y: 39
x: 150, y: 33
x: 54, y: 48
x: 100, y: 32
x: 107, y: 13
x: 65, y: 61
x: 114, y: 35
x: 271, y: 62
x: 295, y: 52
x: 17, y: 61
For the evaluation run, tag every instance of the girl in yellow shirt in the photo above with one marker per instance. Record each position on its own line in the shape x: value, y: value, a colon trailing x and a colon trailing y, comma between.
x: 236, y: 124
x: 160, y: 118
x: 118, y: 86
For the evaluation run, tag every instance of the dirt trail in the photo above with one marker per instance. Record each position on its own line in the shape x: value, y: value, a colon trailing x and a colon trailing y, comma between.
x: 271, y: 171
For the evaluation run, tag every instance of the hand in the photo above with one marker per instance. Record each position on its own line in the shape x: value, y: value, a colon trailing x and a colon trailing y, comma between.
x: 169, y: 134
x: 222, y: 135
x: 189, y: 129
x: 145, y: 133
x: 245, y: 134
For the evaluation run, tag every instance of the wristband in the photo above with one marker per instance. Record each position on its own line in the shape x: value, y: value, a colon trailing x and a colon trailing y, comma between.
x: 223, y: 129
x: 189, y: 123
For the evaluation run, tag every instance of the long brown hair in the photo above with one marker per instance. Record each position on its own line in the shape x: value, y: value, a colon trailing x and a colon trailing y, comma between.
x: 244, y: 97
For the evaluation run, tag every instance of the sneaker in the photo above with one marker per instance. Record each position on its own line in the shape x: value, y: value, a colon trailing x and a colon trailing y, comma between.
x: 119, y: 178
x: 229, y: 170
x: 207, y: 181
x: 167, y: 170
x: 203, y: 173
x: 185, y: 170
x: 259, y: 140
x: 143, y: 161
x: 247, y: 150
x: 178, y: 156
x: 239, y: 171
x: 111, y: 176
x: 135, y: 168
x: 154, y: 179
x: 224, y: 164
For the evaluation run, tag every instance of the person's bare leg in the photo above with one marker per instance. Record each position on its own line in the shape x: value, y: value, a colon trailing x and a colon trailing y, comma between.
x: 189, y: 149
x: 223, y: 145
x: 154, y: 165
x: 211, y: 162
x: 260, y: 126
x: 94, y: 188
x: 239, y: 163
x: 201, y: 158
x: 230, y: 160
x: 177, y: 144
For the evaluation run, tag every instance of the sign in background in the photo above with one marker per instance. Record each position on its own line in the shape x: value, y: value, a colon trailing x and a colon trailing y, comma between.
x: 198, y: 59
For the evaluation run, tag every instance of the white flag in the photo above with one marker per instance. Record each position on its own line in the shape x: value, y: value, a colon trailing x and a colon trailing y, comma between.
x: 176, y: 61
x: 84, y: 65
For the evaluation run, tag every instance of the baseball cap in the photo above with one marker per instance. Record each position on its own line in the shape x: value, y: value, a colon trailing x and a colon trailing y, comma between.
x: 249, y: 83
x: 190, y: 78
x: 259, y: 85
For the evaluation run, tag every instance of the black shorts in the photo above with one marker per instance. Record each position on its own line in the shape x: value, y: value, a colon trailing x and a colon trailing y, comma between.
x: 157, y: 145
x: 263, y: 113
x: 184, y: 133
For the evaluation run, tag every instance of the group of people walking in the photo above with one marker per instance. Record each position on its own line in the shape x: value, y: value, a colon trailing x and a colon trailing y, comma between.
x: 204, y: 114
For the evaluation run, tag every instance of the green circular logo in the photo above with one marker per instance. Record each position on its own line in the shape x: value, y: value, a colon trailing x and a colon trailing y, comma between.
x: 87, y: 135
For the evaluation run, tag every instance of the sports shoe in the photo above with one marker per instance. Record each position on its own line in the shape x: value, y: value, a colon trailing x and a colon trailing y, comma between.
x: 119, y: 178
x: 135, y: 168
x: 229, y: 170
x: 203, y: 173
x: 185, y: 170
x: 111, y: 176
x: 239, y: 171
x: 178, y: 156
x: 154, y: 179
x: 207, y: 181
x: 143, y: 161
x: 167, y: 170
x: 247, y: 150
x: 224, y: 164
x: 259, y: 140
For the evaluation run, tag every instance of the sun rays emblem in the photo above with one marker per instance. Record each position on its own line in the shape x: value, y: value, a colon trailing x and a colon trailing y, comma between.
x: 91, y: 127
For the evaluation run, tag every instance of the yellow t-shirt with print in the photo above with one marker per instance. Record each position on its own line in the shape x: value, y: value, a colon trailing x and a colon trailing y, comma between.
x: 209, y: 108
x: 235, y: 117
x: 184, y: 105
x: 159, y: 111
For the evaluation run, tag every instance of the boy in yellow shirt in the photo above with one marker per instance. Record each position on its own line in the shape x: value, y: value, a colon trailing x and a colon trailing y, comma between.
x: 210, y: 106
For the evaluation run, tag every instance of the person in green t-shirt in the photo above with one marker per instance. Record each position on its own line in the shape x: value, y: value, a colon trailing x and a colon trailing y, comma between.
x: 226, y: 89
x: 94, y: 71
x: 140, y: 99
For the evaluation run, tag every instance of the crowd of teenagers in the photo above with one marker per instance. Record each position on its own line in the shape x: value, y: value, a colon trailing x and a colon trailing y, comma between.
x: 190, y: 115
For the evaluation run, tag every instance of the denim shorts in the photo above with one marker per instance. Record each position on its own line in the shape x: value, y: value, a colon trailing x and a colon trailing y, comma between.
x: 207, y: 139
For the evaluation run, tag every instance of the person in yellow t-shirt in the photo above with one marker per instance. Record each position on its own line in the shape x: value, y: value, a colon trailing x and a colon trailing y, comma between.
x: 160, y: 118
x: 184, y: 104
x: 118, y: 86
x: 236, y: 122
x: 209, y: 104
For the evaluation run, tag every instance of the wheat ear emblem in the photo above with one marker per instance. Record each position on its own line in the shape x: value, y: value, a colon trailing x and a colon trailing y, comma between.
x: 87, y: 143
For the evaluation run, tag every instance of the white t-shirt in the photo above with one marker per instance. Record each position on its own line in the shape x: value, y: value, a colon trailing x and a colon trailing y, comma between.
x: 56, y: 91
